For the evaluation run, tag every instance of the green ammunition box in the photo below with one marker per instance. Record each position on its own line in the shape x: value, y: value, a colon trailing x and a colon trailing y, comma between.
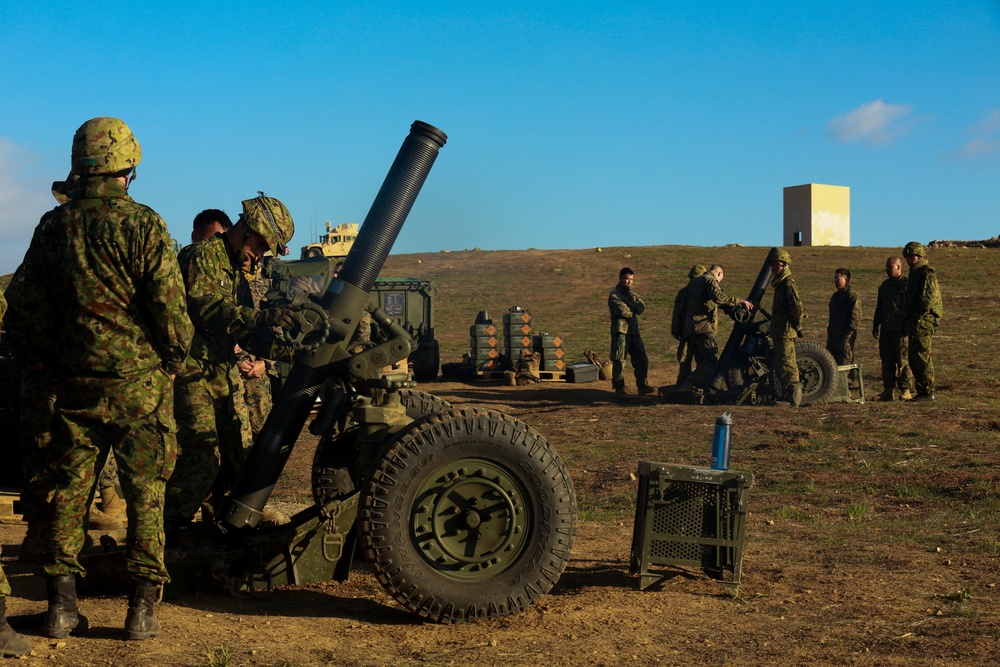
x: 517, y: 342
x: 551, y: 353
x: 688, y: 516
x: 484, y: 341
x: 481, y: 353
x: 516, y: 318
x: 480, y: 330
x: 553, y: 365
x: 582, y: 372
x: 546, y: 340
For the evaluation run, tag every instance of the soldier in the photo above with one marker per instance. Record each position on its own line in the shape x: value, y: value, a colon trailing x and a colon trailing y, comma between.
x: 626, y: 306
x: 208, y: 223
x: 255, y: 372
x: 887, y: 329
x: 99, y: 305
x: 922, y: 311
x: 786, y: 326
x: 702, y: 320
x: 685, y: 353
x: 11, y: 643
x: 214, y: 428
x: 845, y: 318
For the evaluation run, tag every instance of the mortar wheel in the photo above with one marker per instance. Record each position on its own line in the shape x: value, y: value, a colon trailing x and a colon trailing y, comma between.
x: 334, y: 468
x: 468, y: 514
x: 817, y: 372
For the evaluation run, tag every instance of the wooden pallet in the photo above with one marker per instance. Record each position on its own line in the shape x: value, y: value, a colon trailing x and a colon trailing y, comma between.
x: 552, y: 376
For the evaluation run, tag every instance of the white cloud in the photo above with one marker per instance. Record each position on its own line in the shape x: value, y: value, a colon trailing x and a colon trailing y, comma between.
x: 985, y: 139
x: 23, y: 199
x: 873, y: 123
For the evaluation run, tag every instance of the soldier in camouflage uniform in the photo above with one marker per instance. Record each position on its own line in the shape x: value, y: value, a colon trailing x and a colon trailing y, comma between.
x: 258, y: 374
x: 99, y: 306
x: 626, y: 306
x: 685, y: 353
x: 887, y: 329
x: 11, y: 643
x: 922, y: 311
x: 845, y: 318
x: 214, y: 426
x: 705, y: 295
x: 785, y: 327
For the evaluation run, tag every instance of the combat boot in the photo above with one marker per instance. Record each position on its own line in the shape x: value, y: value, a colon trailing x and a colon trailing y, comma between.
x: 140, y: 623
x: 113, y: 505
x: 63, y: 615
x: 646, y: 389
x: 887, y: 395
x: 619, y: 388
x: 907, y: 395
x: 796, y: 399
x: 98, y: 520
x: 11, y: 643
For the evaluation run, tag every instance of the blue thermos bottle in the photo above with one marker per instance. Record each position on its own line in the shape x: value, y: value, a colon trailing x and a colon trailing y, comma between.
x: 721, y: 441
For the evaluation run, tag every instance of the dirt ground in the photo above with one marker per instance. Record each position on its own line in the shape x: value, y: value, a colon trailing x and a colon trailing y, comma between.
x: 846, y: 596
x: 872, y: 531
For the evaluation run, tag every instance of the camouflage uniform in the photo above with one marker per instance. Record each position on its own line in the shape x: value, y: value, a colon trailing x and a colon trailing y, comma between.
x: 213, y: 424
x: 842, y: 330
x: 786, y: 326
x: 888, y: 327
x: 705, y: 295
x: 257, y: 391
x: 922, y: 311
x: 626, y: 306
x: 99, y: 303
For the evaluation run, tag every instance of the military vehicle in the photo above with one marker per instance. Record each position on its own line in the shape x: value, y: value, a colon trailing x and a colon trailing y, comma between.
x: 742, y: 374
x: 462, y: 514
x: 335, y: 243
x: 408, y: 301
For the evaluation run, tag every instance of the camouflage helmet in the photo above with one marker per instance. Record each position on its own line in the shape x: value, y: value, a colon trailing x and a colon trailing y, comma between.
x: 779, y: 255
x: 268, y: 217
x: 913, y: 248
x: 696, y: 271
x: 105, y: 145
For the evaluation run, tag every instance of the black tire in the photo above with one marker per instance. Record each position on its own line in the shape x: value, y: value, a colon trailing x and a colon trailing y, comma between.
x: 420, y: 404
x: 312, y: 252
x: 468, y: 514
x: 817, y: 372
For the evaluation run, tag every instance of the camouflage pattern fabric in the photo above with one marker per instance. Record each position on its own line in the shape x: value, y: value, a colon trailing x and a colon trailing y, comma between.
x: 786, y: 307
x: 257, y: 390
x: 685, y: 353
x: 98, y: 303
x: 842, y: 329
x: 135, y: 417
x: 622, y: 345
x: 888, y: 325
x: 626, y: 306
x: 922, y: 311
x: 786, y: 324
x: 705, y: 295
x: 214, y: 424
x: 38, y: 408
x: 214, y: 436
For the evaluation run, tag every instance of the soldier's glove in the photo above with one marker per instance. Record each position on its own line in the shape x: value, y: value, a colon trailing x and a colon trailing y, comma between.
x: 282, y: 317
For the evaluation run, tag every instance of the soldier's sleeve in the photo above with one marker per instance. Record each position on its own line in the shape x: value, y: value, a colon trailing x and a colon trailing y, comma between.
x: 211, y: 305
x: 855, y: 311
x: 716, y: 294
x: 171, y: 327
x: 618, y: 307
x: 30, y: 322
x: 877, y: 317
x: 932, y: 294
x: 795, y: 308
x: 638, y: 305
x: 677, y: 318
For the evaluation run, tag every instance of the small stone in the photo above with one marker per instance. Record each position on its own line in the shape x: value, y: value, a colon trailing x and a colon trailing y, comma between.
x: 493, y: 643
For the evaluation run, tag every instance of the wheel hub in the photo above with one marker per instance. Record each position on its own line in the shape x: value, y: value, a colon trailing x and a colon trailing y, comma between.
x: 470, y: 520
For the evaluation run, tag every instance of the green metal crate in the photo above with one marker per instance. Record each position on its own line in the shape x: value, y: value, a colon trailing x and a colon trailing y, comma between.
x: 692, y: 517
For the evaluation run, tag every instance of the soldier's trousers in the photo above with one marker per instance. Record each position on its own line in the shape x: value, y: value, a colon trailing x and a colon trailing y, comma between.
x: 892, y: 350
x: 626, y: 344
x: 135, y: 418
x: 842, y: 347
x: 706, y: 355
x: 685, y: 358
x: 785, y: 368
x: 920, y: 358
x: 38, y: 406
x: 214, y: 437
x: 4, y: 584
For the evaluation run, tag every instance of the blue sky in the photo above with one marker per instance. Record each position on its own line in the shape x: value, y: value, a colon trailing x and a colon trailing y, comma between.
x: 570, y: 124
